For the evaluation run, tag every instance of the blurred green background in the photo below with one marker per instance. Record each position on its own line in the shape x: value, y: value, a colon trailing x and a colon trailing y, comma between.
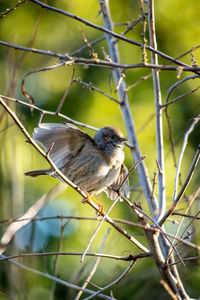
x: 178, y: 30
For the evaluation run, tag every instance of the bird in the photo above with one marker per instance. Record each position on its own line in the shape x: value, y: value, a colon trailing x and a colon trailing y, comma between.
x: 93, y: 164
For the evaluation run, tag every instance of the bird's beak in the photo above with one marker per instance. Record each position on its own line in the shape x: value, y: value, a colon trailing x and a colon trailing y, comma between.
x: 123, y: 139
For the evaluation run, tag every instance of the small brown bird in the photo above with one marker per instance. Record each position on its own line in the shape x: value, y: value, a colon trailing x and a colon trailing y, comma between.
x: 95, y: 165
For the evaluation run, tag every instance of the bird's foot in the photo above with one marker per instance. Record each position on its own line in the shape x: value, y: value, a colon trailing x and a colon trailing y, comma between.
x: 87, y: 200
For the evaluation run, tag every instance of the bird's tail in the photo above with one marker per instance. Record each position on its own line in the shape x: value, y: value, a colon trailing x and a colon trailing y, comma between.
x: 37, y: 173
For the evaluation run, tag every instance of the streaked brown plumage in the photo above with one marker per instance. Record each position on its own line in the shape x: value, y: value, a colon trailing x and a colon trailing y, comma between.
x: 94, y: 165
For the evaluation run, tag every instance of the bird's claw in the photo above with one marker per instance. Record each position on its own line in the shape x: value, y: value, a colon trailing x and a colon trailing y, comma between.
x: 100, y: 211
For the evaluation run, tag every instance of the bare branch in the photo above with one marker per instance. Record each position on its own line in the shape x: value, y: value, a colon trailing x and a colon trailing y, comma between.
x: 99, y: 63
x: 102, y: 255
x: 159, y: 125
x: 109, y: 31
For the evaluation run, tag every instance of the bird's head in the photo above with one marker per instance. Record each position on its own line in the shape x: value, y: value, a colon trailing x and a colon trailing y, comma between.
x: 109, y: 137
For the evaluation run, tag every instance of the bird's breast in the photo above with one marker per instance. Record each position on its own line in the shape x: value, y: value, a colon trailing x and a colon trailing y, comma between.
x: 117, y: 159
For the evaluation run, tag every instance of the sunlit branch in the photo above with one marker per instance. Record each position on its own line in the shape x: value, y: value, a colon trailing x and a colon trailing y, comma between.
x: 99, y: 63
x: 158, y: 111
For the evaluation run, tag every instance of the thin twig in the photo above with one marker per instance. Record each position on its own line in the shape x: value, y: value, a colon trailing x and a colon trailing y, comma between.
x: 185, y: 141
x: 24, y: 92
x: 94, y: 267
x: 12, y: 8
x: 116, y: 281
x: 56, y: 260
x: 142, y: 214
x: 78, y: 51
x: 93, y: 88
x: 179, y: 98
x: 146, y: 123
x: 174, y: 86
x: 102, y: 255
x: 177, y: 84
x: 66, y: 93
x: 185, y: 260
x: 60, y: 281
x: 187, y: 227
x: 183, y: 188
x: 143, y: 34
x: 97, y: 229
x: 170, y: 136
x: 43, y: 112
x: 139, y: 81
x: 130, y: 171
x: 93, y: 54
x: 181, y: 222
x: 154, y: 182
x: 184, y: 215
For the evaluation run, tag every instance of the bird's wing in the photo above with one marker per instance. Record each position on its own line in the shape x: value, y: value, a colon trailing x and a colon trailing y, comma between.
x: 67, y: 140
x: 116, y: 184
